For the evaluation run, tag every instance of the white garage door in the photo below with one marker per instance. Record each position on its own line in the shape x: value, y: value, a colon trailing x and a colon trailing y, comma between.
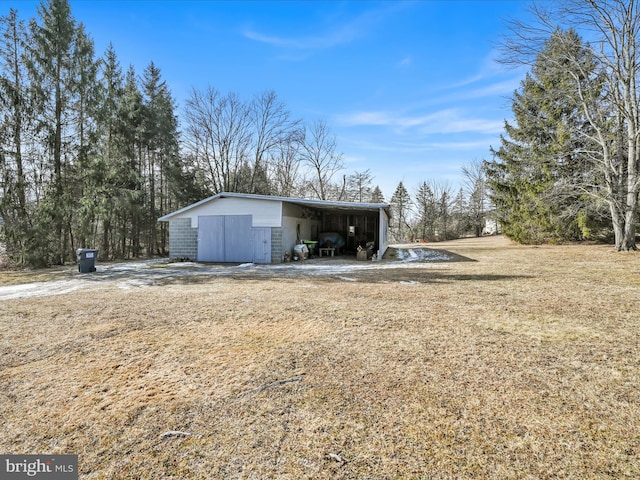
x: 211, y: 239
x: 230, y: 238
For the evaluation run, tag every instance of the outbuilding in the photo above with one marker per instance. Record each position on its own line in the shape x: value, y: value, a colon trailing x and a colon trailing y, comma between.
x: 238, y: 227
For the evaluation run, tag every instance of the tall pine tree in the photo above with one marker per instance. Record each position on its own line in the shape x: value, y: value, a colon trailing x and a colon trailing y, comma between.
x: 400, y: 204
x: 532, y: 175
x: 50, y: 63
x: 427, y: 212
x: 15, y: 127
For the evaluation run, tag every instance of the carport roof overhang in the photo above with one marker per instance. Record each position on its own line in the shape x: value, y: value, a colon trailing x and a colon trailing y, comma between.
x: 345, y: 208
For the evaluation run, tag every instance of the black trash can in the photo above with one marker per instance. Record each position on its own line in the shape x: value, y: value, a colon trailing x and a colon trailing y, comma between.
x: 86, y: 259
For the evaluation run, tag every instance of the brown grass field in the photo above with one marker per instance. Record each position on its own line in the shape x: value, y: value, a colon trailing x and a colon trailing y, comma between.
x: 521, y: 364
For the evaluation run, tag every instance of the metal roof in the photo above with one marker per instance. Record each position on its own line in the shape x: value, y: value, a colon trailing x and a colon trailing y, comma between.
x: 319, y: 204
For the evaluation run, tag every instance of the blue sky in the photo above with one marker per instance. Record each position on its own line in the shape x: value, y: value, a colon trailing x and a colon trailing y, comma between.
x: 410, y: 89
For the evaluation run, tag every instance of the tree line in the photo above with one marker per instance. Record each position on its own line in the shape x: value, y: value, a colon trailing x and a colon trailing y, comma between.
x: 435, y: 211
x: 568, y: 165
x: 91, y: 154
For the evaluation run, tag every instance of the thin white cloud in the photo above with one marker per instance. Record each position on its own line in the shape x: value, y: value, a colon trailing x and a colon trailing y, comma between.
x: 485, y: 143
x: 452, y: 120
x: 421, y: 147
x: 328, y: 40
x: 341, y: 34
x: 465, y: 125
x: 366, y: 119
x: 488, y: 68
x: 500, y: 88
x: 491, y: 79
x: 467, y: 81
x: 354, y: 160
x: 405, y: 62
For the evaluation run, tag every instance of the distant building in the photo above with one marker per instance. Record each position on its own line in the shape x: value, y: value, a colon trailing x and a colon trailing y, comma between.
x: 491, y: 226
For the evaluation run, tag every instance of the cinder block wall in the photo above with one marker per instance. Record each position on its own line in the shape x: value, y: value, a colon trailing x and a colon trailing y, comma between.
x: 183, y: 240
x: 277, y: 250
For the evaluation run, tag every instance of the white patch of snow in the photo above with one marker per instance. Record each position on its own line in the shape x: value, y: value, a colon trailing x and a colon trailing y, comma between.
x: 184, y: 264
x: 138, y: 274
x: 40, y: 289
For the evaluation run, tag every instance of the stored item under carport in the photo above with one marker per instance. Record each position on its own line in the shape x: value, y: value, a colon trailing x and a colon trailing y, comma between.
x: 300, y: 252
x: 312, y: 246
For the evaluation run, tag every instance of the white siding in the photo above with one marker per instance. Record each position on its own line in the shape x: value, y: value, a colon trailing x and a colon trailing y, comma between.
x: 308, y: 231
x: 266, y: 213
x: 383, y: 243
x: 294, y: 223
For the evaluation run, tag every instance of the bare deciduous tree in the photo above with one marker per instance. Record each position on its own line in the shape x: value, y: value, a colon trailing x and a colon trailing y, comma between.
x: 218, y: 135
x: 475, y: 186
x: 285, y: 165
x: 359, y: 185
x: 273, y: 127
x: 609, y: 102
x: 318, y: 152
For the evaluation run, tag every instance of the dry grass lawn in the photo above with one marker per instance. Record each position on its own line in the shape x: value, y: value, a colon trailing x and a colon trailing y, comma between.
x: 523, y: 363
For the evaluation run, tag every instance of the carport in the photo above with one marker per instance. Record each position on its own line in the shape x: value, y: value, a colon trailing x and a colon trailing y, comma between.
x: 235, y: 227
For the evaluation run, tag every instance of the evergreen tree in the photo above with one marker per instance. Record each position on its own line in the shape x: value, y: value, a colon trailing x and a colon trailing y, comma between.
x: 427, y: 212
x: 444, y: 214
x: 160, y: 155
x: 103, y: 160
x: 129, y: 143
x: 51, y: 71
x: 81, y: 181
x: 376, y: 195
x: 400, y: 204
x: 539, y: 154
x: 460, y: 215
x: 607, y: 95
x: 116, y: 180
x: 112, y: 163
x: 15, y: 126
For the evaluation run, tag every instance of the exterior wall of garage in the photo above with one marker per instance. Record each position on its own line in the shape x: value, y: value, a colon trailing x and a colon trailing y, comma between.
x: 276, y: 223
x: 383, y: 243
x: 265, y: 213
x: 183, y: 239
x: 277, y: 249
x: 296, y: 225
x: 183, y: 229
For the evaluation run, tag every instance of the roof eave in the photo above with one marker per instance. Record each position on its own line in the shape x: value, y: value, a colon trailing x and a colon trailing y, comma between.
x: 299, y: 201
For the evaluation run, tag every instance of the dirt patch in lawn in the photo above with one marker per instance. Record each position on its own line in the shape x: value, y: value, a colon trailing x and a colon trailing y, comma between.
x: 524, y: 363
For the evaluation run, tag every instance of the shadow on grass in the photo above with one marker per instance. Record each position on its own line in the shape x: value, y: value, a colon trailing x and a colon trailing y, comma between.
x: 433, y: 277
x: 389, y: 276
